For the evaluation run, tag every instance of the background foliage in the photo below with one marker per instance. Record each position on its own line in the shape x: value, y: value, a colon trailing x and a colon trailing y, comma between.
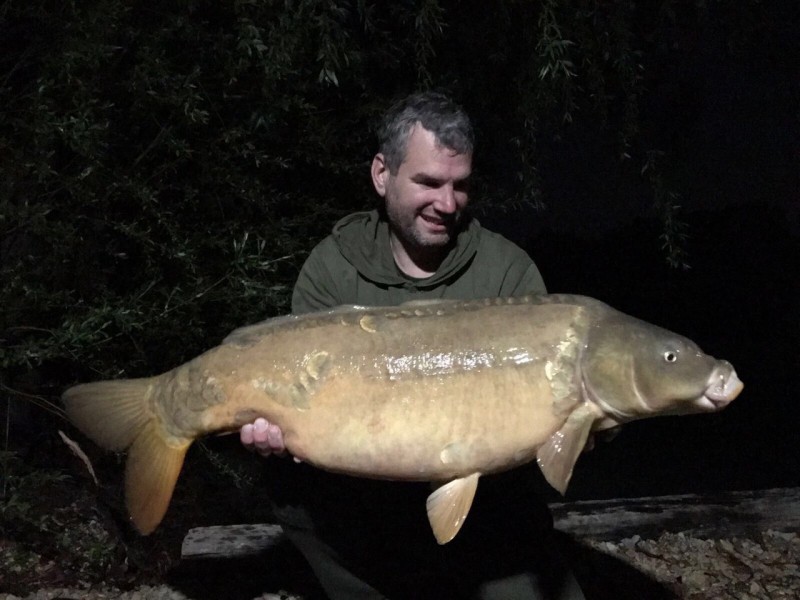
x: 166, y: 166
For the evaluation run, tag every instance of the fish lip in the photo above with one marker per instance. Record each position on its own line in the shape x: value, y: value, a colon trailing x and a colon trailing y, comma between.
x: 723, y: 386
x: 717, y: 403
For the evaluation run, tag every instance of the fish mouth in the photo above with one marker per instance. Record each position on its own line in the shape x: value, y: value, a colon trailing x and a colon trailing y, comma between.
x: 723, y: 387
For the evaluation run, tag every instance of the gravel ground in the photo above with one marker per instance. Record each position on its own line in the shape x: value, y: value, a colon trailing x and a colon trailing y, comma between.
x: 690, y: 568
x: 161, y: 592
x: 736, y: 569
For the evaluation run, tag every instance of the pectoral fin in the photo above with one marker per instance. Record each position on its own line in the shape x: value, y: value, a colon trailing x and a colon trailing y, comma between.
x: 558, y: 455
x: 449, y: 505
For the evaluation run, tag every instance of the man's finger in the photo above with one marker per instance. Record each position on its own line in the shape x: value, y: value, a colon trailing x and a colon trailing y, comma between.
x: 246, y: 435
x: 260, y: 427
x: 275, y: 438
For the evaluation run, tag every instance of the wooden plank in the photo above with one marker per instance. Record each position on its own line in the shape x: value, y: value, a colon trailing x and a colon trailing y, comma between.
x: 723, y: 515
x: 230, y: 541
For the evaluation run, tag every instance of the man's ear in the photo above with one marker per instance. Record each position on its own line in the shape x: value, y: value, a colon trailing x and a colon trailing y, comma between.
x: 380, y: 173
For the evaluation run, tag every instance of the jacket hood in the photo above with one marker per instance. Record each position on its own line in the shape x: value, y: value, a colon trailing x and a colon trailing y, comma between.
x: 363, y: 239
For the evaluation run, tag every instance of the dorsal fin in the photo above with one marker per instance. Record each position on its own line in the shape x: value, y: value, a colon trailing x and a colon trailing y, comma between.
x: 250, y: 334
x: 428, y: 302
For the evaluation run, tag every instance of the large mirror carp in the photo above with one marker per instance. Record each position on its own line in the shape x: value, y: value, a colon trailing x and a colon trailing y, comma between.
x: 439, y: 391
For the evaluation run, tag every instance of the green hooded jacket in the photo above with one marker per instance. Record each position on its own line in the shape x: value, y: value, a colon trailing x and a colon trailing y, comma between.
x: 340, y: 523
x: 354, y: 265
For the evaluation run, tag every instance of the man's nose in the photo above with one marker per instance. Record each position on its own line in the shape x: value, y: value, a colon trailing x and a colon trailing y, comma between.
x: 446, y: 200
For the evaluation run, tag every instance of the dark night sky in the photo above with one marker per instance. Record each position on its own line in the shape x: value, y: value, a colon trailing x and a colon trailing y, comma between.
x: 733, y: 124
x: 738, y: 302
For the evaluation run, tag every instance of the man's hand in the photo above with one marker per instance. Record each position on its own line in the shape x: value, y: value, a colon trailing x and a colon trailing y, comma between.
x: 263, y: 437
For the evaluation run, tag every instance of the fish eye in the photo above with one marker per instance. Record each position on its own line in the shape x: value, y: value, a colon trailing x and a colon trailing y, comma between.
x: 670, y: 356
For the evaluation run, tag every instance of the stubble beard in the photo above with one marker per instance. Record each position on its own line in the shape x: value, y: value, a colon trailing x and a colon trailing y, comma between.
x: 408, y: 229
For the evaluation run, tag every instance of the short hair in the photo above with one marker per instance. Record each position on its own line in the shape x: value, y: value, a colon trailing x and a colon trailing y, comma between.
x: 435, y: 112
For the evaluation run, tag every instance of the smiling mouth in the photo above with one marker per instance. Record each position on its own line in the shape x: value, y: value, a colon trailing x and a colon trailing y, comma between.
x: 437, y: 223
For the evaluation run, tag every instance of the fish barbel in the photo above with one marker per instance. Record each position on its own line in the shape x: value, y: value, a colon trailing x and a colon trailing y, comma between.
x: 439, y: 391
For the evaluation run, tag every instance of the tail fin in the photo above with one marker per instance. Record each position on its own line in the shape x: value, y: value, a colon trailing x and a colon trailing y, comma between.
x: 154, y: 463
x: 111, y: 413
x: 117, y: 416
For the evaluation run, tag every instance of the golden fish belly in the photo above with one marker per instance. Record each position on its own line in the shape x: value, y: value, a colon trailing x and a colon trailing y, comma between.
x: 419, y: 428
x: 430, y: 430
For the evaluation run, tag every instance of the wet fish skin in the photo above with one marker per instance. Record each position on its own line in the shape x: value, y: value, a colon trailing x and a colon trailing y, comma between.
x: 441, y: 391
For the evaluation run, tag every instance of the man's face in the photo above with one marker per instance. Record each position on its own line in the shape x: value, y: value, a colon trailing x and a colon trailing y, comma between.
x: 427, y: 196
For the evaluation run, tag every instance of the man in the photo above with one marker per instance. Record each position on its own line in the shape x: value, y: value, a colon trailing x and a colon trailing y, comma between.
x: 371, y: 539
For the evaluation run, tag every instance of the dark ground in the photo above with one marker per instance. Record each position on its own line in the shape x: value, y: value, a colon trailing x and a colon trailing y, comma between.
x: 75, y: 544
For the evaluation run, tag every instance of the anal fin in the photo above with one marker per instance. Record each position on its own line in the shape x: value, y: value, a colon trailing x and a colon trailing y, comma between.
x: 449, y: 505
